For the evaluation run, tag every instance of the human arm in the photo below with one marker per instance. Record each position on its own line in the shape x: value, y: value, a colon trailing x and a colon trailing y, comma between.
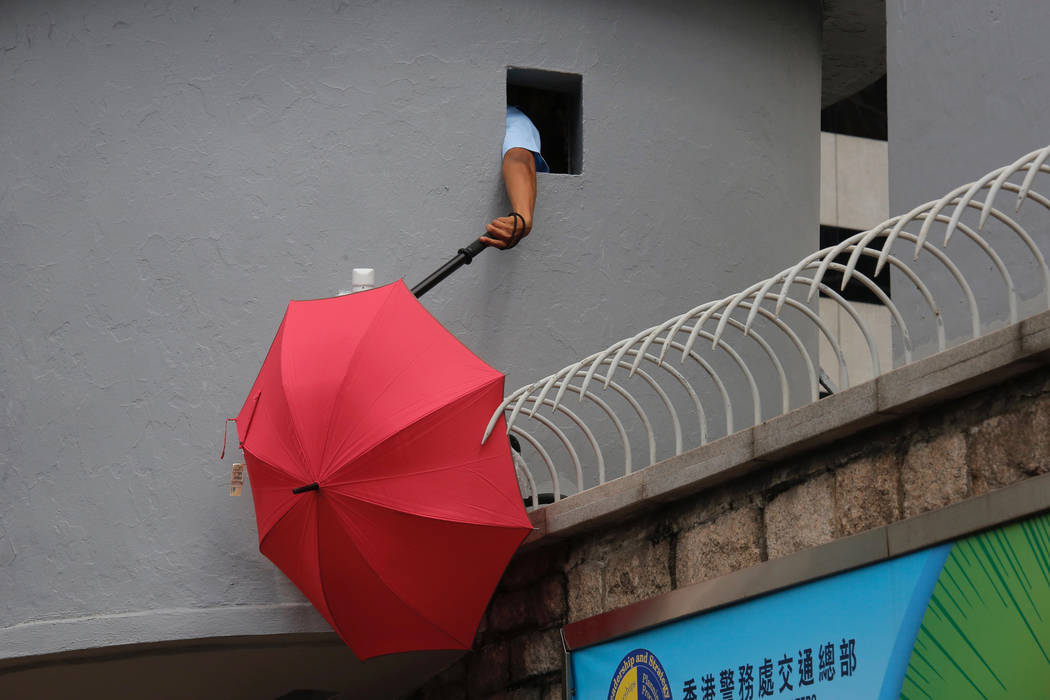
x: 519, y: 177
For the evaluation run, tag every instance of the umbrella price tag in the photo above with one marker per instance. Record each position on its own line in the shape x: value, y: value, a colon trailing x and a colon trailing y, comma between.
x: 237, y: 479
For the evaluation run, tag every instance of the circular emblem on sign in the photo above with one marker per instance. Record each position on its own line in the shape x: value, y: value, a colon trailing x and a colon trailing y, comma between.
x: 639, y: 676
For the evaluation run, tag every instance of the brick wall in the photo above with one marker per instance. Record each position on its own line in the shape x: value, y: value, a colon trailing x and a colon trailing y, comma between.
x: 945, y: 453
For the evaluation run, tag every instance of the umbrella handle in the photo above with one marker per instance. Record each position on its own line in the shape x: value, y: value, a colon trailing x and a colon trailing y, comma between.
x: 464, y: 256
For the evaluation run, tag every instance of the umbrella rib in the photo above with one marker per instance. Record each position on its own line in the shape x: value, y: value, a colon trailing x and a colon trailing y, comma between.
x: 393, y: 509
x: 321, y: 579
x: 287, y: 505
x: 432, y: 470
x: 378, y: 395
x: 349, y: 368
x: 495, y: 488
x: 378, y: 443
x: 368, y: 563
x: 410, y: 606
x: 266, y: 463
x: 262, y: 540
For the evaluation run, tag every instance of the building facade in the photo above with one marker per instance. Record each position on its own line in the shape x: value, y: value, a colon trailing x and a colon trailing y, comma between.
x: 177, y: 173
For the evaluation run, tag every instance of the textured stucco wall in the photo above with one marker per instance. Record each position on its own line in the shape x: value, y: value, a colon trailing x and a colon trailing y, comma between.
x: 967, y: 92
x: 175, y: 172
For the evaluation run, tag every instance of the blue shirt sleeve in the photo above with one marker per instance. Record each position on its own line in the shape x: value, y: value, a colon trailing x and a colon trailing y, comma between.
x: 522, y: 133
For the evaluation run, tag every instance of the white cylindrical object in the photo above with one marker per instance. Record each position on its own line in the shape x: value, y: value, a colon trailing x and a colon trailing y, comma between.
x: 362, y: 279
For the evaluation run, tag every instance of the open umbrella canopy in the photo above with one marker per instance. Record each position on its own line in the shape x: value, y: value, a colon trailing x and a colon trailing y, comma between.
x: 373, y: 491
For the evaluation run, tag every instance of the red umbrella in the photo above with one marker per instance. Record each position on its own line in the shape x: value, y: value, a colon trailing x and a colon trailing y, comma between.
x: 373, y: 492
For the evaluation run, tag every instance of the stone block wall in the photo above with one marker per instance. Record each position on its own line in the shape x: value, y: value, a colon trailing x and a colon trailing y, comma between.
x: 946, y: 453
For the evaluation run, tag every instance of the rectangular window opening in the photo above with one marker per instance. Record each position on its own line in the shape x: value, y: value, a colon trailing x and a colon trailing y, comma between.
x: 552, y: 100
x: 862, y: 114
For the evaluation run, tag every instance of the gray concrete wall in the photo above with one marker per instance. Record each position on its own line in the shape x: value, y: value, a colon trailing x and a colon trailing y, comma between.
x: 967, y: 93
x: 174, y: 173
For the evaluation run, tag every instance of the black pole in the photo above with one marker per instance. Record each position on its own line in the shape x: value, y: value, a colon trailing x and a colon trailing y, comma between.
x: 463, y: 257
x: 309, y: 487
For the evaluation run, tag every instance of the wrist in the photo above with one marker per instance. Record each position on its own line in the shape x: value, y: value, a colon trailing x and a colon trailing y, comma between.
x: 522, y: 222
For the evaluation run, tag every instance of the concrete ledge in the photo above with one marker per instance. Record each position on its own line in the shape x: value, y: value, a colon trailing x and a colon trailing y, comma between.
x: 818, y: 423
x: 610, y: 501
x: 244, y: 666
x: 952, y: 373
x: 90, y: 654
x: 955, y: 372
x: 1035, y: 336
x: 148, y: 626
x: 701, y: 467
x: 538, y: 518
x: 670, y: 479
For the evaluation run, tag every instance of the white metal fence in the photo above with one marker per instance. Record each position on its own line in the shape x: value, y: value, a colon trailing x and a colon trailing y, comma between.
x: 661, y: 391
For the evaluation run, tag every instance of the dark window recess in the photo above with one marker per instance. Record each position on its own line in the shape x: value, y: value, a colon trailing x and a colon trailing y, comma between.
x: 552, y: 101
x: 861, y: 114
x: 855, y: 290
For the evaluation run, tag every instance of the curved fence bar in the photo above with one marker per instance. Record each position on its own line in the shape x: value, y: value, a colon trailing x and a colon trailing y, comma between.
x: 767, y: 347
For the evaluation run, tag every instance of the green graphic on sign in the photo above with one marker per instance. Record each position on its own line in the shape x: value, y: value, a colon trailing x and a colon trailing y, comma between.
x: 986, y: 630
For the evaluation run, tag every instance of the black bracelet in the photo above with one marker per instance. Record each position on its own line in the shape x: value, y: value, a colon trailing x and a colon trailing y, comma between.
x: 517, y: 216
x: 514, y: 237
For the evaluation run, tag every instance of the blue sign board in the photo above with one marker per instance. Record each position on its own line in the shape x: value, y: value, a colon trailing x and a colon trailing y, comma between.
x: 927, y: 624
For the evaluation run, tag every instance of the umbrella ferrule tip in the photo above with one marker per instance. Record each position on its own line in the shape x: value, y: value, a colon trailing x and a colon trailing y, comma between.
x: 309, y: 487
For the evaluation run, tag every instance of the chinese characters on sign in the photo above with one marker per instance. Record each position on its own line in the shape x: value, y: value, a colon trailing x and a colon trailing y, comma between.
x: 787, y: 675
